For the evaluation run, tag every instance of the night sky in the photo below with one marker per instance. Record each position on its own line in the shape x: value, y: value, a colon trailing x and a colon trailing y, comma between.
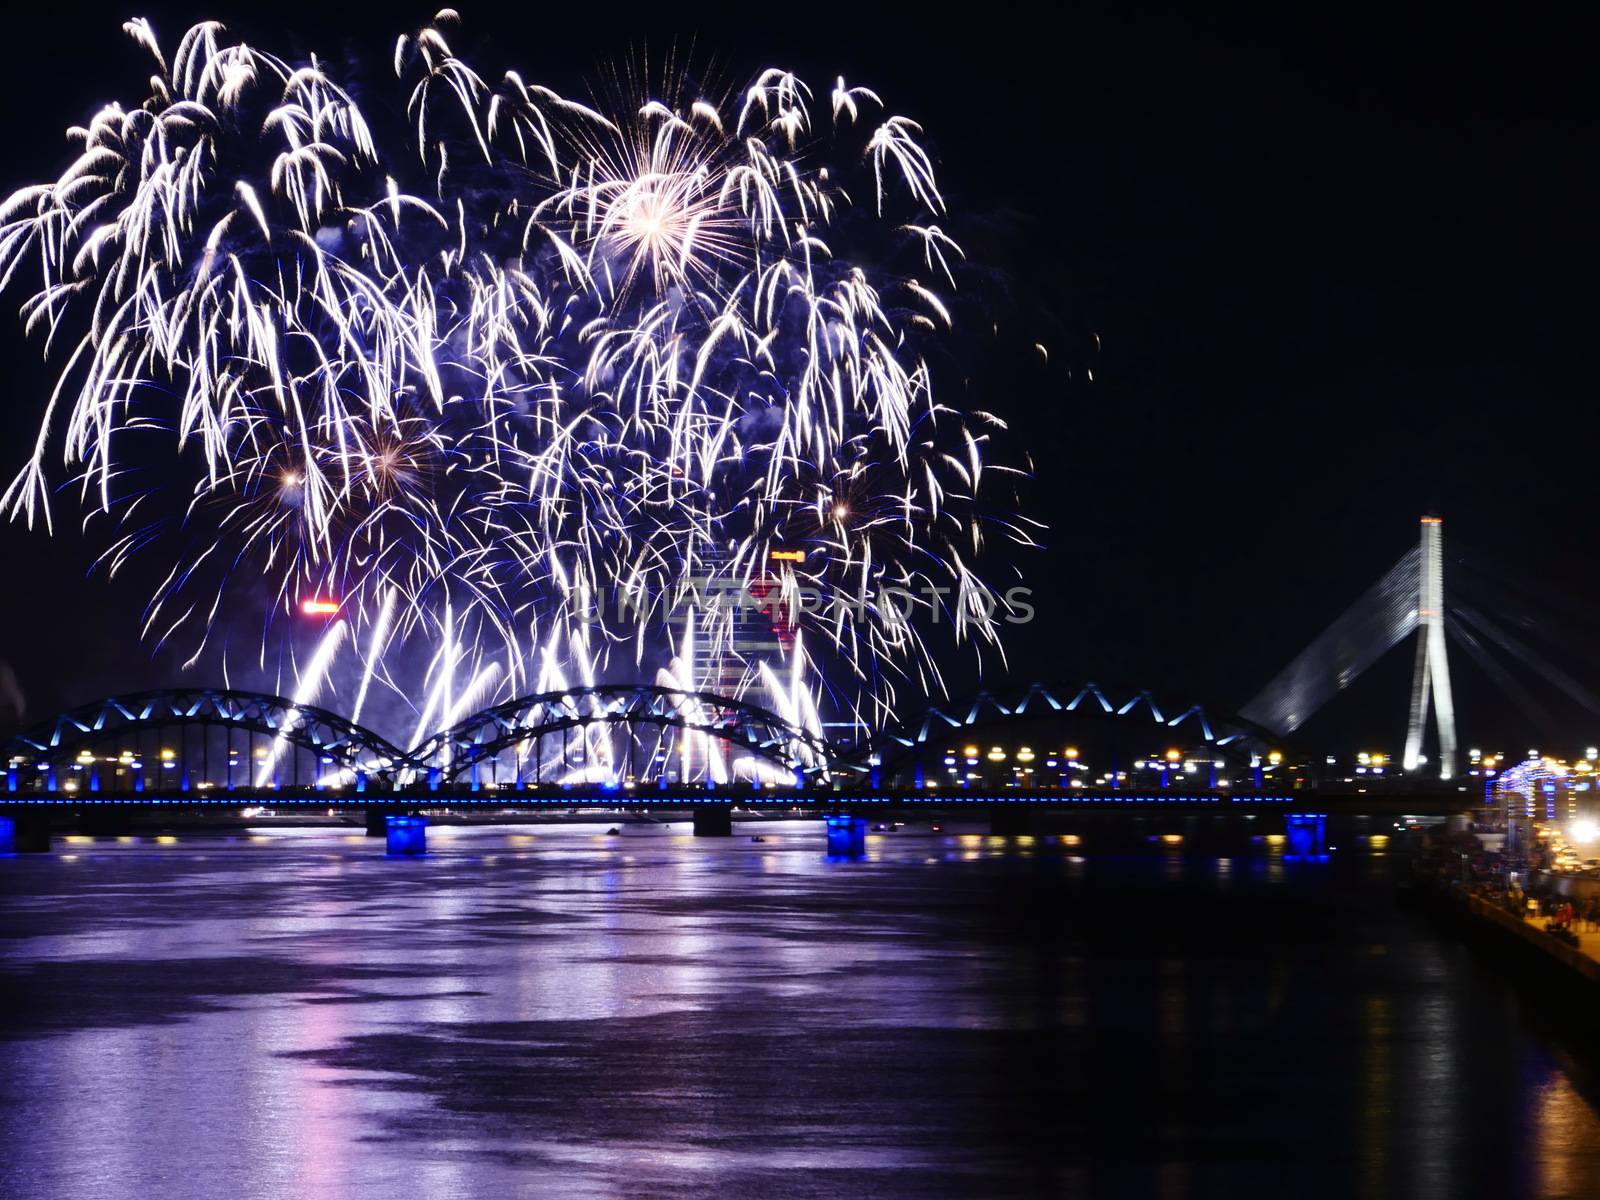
x: 1327, y: 273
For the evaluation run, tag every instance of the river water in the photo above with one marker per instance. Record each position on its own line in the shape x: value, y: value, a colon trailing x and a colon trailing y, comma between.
x: 555, y: 1012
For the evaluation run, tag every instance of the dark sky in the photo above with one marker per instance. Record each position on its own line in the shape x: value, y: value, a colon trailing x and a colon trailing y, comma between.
x: 1341, y: 270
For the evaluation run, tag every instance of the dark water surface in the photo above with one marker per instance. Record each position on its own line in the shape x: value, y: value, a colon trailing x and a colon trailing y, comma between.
x: 558, y: 1013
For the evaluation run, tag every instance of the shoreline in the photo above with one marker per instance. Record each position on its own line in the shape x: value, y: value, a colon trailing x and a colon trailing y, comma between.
x: 1497, y: 930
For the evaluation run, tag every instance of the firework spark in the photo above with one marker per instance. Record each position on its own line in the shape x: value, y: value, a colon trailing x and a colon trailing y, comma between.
x: 487, y: 358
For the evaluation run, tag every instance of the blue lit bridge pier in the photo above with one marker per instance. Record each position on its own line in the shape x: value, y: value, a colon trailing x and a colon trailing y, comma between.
x: 1307, y: 835
x: 406, y: 834
x: 847, y: 835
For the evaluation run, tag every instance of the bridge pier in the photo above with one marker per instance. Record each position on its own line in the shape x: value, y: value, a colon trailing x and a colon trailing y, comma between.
x: 847, y: 835
x: 1307, y: 835
x: 713, y: 820
x: 24, y: 833
x: 406, y: 834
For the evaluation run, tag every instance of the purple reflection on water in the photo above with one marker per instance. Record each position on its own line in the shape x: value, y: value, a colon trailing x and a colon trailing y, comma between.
x: 558, y: 1012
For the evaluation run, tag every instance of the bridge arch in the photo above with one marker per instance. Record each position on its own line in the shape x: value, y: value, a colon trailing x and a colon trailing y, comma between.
x: 622, y: 733
x: 183, y: 739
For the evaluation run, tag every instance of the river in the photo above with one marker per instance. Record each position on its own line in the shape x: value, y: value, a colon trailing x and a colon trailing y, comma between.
x: 554, y: 1012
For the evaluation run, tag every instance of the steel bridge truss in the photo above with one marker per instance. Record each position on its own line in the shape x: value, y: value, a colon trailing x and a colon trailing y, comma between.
x: 608, y: 735
x: 278, y: 737
x: 179, y: 738
x: 631, y: 732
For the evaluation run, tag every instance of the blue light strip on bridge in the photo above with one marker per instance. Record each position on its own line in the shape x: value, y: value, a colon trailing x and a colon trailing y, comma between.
x: 641, y: 799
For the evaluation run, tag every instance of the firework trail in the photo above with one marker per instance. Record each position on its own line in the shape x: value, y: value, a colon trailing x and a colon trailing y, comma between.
x: 310, y: 683
x: 484, y: 362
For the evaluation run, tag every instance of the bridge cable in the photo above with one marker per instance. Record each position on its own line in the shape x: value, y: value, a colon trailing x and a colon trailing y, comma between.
x: 1384, y: 615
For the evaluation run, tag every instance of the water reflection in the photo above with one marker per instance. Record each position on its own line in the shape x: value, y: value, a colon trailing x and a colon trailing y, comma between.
x: 553, y: 1012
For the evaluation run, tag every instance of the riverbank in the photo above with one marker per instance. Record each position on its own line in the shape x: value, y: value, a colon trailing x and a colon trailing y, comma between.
x: 1491, y: 925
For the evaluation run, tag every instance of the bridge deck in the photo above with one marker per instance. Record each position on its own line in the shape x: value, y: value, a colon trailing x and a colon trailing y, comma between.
x: 1438, y: 802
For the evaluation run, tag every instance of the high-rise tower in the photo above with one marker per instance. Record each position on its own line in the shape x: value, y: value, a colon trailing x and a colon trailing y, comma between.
x: 1432, y: 675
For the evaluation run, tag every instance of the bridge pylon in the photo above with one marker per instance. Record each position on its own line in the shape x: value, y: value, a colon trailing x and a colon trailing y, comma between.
x: 1408, y: 598
x: 1431, y: 678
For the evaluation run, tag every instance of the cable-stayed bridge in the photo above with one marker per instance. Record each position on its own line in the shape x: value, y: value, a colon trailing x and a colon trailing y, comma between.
x: 1532, y: 632
x: 1408, y: 599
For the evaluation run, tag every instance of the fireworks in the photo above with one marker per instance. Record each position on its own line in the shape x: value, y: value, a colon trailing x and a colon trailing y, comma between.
x: 520, y: 381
